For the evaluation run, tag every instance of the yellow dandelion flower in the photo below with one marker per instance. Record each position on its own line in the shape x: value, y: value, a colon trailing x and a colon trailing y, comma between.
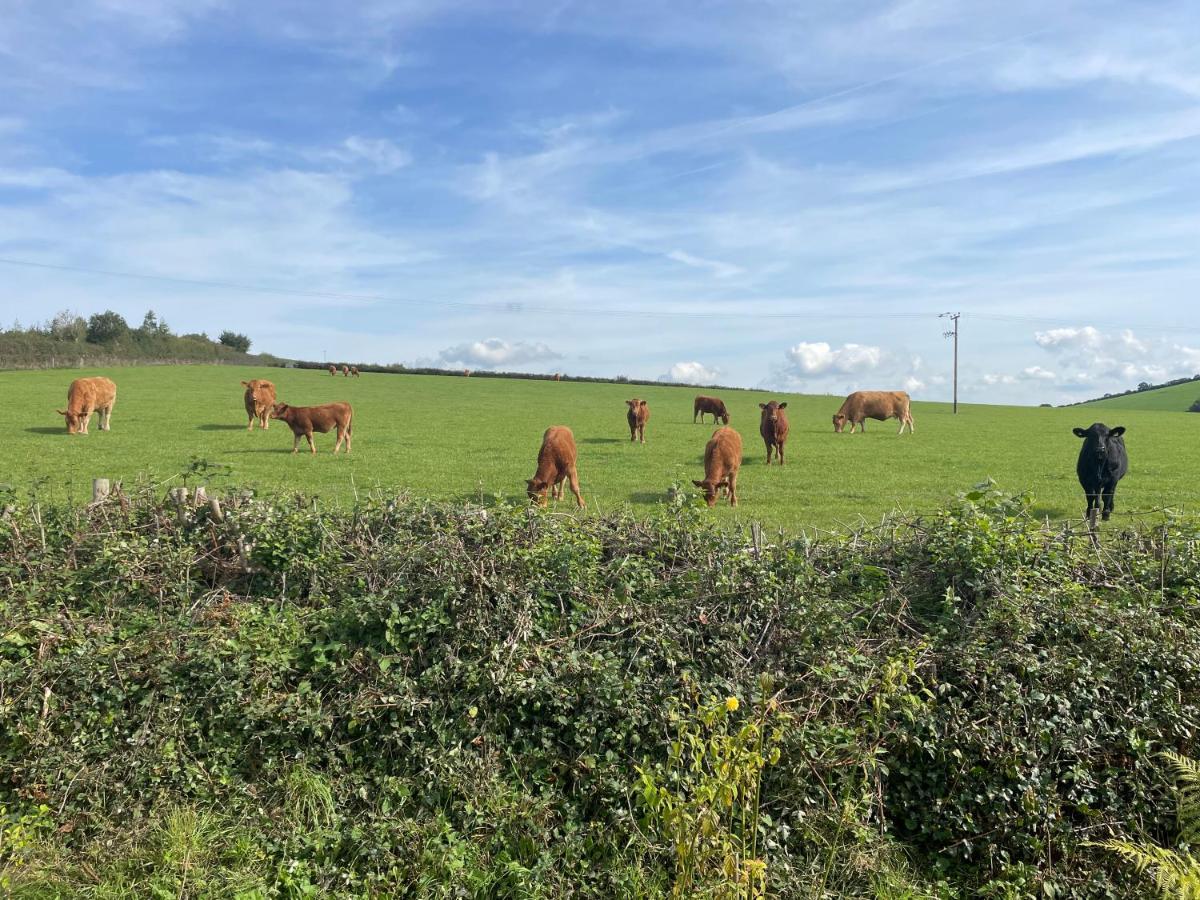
x: 731, y: 704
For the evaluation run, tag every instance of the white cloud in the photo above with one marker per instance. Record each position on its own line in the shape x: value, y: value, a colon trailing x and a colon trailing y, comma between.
x: 819, y: 358
x: 379, y: 153
x: 1087, y: 338
x: 719, y: 269
x: 493, y: 353
x: 994, y: 378
x: 690, y: 373
x: 1037, y: 373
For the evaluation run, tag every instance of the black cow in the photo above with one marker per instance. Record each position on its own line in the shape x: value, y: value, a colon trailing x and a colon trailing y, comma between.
x: 1102, y: 463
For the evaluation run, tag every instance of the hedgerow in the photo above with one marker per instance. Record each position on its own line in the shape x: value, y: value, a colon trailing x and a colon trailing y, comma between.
x: 419, y: 699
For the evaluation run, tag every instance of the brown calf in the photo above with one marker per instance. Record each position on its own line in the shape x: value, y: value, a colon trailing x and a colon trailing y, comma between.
x: 555, y: 464
x: 304, y: 420
x: 354, y: 371
x: 881, y: 405
x: 259, y: 398
x: 86, y: 396
x: 712, y: 405
x: 638, y: 415
x: 332, y: 369
x: 773, y: 426
x: 345, y: 370
x: 722, y: 459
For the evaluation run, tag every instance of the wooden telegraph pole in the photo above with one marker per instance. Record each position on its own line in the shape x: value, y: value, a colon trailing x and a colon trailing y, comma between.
x: 953, y: 333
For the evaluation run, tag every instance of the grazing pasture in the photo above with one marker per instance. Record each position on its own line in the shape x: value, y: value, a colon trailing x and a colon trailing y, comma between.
x: 477, y: 438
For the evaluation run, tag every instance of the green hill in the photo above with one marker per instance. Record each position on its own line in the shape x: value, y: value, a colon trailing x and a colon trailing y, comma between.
x: 1173, y: 398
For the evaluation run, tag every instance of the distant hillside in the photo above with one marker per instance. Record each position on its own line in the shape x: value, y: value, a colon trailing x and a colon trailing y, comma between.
x: 1177, y: 397
x: 105, y: 339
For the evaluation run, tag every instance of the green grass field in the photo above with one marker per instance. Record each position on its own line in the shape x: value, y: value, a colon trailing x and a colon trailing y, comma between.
x: 1176, y: 398
x: 476, y: 438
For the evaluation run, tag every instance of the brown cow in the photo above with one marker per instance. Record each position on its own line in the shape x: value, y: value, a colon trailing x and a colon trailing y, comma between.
x: 773, y: 426
x: 558, y: 376
x: 260, y: 397
x: 333, y: 370
x: 345, y: 370
x: 556, y: 464
x: 722, y: 459
x: 712, y: 405
x: 466, y: 373
x: 86, y: 396
x: 354, y: 371
x: 881, y: 405
x: 304, y: 420
x: 638, y: 415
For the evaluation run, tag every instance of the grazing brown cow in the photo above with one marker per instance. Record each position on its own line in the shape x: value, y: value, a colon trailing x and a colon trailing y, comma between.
x: 304, y: 420
x: 345, y: 370
x: 466, y: 373
x: 773, y: 426
x: 556, y: 464
x: 722, y: 459
x: 260, y: 397
x: 638, y: 415
x: 333, y: 370
x: 354, y: 371
x: 86, y: 396
x: 881, y: 405
x: 712, y: 405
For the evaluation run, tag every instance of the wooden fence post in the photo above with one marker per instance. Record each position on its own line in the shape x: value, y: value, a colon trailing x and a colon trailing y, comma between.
x: 101, y: 487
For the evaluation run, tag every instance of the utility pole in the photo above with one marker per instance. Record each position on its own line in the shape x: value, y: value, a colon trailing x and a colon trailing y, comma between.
x: 953, y: 333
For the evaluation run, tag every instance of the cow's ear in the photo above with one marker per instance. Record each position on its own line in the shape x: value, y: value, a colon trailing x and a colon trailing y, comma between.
x: 1079, y: 432
x: 62, y: 412
x: 762, y: 406
x: 783, y: 405
x: 643, y: 403
x: 246, y: 383
x: 1117, y: 432
x: 698, y: 484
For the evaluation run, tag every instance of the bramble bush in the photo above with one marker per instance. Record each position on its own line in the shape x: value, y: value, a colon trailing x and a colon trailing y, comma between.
x: 433, y: 700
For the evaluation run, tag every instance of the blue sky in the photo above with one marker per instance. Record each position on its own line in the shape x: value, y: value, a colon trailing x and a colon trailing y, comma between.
x: 762, y: 193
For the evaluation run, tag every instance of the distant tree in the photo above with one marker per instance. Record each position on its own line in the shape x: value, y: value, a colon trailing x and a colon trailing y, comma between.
x: 152, y: 325
x: 1144, y: 386
x: 236, y: 341
x: 67, y: 326
x: 106, y: 327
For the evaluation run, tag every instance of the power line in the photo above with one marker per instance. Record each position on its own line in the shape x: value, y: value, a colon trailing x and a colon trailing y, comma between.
x: 508, y: 307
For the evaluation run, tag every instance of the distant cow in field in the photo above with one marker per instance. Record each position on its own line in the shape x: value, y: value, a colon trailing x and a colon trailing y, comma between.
x: 555, y: 464
x: 466, y: 373
x: 881, y: 405
x: 773, y: 426
x: 354, y: 371
x: 712, y: 405
x: 558, y: 376
x: 333, y: 370
x: 345, y: 370
x: 304, y: 420
x: 86, y: 396
x: 1102, y: 463
x: 259, y: 398
x: 722, y: 459
x: 638, y: 415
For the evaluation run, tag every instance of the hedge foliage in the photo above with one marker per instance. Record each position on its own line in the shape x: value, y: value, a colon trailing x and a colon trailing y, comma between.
x: 418, y: 699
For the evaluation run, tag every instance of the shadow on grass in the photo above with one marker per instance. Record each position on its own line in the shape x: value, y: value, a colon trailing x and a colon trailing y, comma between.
x: 212, y: 427
x: 603, y: 441
x: 287, y: 450
x: 46, y: 429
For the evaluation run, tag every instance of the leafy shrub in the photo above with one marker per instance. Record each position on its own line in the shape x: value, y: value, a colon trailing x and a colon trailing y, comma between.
x: 421, y: 699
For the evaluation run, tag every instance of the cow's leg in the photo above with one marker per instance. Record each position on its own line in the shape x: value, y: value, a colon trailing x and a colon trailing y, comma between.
x: 779, y: 453
x: 295, y: 442
x: 311, y: 443
x: 732, y: 488
x: 642, y: 433
x: 107, y: 412
x: 337, y: 444
x: 349, y: 434
x: 573, y: 476
x: 1109, y: 495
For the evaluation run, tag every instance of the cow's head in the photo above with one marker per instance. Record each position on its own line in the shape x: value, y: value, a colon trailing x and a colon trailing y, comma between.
x: 1097, y: 438
x: 74, y: 421
x: 839, y: 422
x: 770, y: 411
x: 711, y: 489
x: 536, y: 489
x: 279, y: 410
